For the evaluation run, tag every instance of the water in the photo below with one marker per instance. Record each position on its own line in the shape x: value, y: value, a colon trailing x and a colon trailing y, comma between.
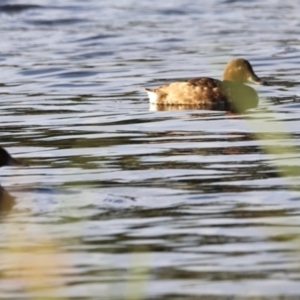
x: 123, y: 201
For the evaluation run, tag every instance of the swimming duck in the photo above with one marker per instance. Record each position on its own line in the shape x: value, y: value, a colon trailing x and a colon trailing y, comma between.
x: 212, y: 92
x: 7, y: 201
x: 7, y: 160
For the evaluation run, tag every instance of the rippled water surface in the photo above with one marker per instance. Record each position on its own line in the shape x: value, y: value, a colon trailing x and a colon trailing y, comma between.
x: 127, y: 201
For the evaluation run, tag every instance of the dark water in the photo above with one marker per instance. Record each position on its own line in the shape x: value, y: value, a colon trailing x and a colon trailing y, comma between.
x: 123, y: 201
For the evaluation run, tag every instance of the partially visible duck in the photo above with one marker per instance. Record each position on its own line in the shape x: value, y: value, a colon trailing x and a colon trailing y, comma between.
x: 209, y: 91
x: 7, y: 201
x: 7, y: 160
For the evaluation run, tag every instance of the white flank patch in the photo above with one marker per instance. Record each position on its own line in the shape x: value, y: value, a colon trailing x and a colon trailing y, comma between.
x: 152, y: 97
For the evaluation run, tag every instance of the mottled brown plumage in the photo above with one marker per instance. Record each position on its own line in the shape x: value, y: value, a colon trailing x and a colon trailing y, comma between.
x: 205, y: 90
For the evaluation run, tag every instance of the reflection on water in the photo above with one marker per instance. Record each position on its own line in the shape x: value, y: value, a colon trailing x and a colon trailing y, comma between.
x: 173, y: 203
x: 7, y: 201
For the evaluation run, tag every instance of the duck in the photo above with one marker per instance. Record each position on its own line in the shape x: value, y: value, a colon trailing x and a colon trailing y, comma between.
x: 7, y: 160
x: 210, y: 92
x: 7, y: 201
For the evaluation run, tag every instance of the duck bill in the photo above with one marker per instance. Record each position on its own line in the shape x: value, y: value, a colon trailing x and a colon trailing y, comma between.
x: 254, y: 79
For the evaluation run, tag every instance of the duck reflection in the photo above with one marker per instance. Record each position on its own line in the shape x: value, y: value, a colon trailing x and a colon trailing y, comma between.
x: 7, y: 201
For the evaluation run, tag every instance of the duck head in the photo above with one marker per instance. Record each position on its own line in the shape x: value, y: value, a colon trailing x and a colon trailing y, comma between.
x: 240, y: 70
x: 7, y: 160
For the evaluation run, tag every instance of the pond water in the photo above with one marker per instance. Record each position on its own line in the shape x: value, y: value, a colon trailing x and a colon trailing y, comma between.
x: 125, y: 201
